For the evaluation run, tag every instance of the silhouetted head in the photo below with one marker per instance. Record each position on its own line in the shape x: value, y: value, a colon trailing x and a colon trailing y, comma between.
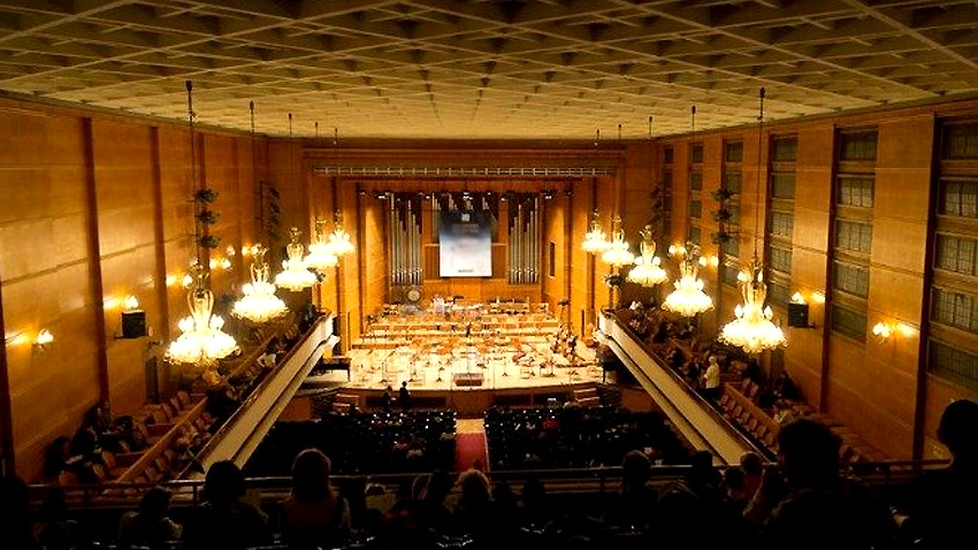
x: 635, y: 469
x: 475, y: 488
x: 808, y: 452
x: 155, y: 503
x: 310, y: 476
x: 752, y: 464
x: 439, y: 485
x: 957, y: 429
x: 224, y: 483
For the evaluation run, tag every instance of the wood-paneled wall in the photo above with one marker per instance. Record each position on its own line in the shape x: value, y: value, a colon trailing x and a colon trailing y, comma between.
x: 879, y: 388
x: 97, y: 207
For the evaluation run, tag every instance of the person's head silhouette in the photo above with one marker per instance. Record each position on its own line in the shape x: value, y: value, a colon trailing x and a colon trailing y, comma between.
x: 224, y: 483
x: 957, y: 430
x: 808, y: 452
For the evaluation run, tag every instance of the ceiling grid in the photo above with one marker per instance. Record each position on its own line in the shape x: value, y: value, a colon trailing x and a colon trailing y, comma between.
x: 551, y: 69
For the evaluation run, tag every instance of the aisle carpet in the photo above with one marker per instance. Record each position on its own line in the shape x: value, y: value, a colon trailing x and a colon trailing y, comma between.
x: 470, y: 445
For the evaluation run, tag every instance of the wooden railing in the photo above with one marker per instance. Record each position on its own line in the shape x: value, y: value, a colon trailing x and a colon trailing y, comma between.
x: 699, y: 423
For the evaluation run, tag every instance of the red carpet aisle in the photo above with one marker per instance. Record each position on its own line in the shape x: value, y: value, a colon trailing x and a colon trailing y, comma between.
x: 470, y: 445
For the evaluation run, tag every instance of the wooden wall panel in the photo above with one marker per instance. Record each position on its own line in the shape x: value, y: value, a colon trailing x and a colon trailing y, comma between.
x: 94, y: 201
x: 873, y: 386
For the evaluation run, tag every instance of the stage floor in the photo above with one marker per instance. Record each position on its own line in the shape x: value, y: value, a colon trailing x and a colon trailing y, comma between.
x: 532, y: 365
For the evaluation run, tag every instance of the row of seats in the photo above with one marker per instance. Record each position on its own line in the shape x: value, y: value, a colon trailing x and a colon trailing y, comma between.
x: 575, y: 437
x: 737, y: 408
x: 364, y: 443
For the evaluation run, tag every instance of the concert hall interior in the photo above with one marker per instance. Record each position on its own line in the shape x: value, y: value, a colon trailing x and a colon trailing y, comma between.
x: 542, y: 247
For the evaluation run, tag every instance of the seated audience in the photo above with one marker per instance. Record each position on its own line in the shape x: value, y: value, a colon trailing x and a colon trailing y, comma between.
x: 822, y: 509
x: 224, y: 520
x: 150, y: 525
x: 58, y: 531
x: 313, y: 515
x: 945, y: 503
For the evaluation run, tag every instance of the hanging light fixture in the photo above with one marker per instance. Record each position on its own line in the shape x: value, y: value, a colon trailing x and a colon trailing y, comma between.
x: 647, y: 271
x: 259, y: 303
x: 339, y: 244
x: 320, y: 258
x: 294, y: 275
x: 201, y: 342
x: 752, y: 329
x: 688, y: 298
x: 617, y: 253
x: 595, y: 241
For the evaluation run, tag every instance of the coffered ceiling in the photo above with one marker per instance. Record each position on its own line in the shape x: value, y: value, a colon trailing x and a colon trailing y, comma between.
x: 488, y: 68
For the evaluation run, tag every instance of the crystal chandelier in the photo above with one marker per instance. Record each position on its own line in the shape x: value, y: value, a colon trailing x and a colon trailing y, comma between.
x: 320, y: 258
x: 688, y: 298
x: 294, y: 275
x: 339, y: 244
x: 752, y: 329
x: 617, y: 253
x: 259, y: 303
x: 595, y: 241
x: 647, y: 271
x: 201, y: 342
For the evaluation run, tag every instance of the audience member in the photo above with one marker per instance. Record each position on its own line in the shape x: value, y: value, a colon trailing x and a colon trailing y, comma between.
x: 534, y: 500
x: 58, y: 532
x: 313, y: 515
x: 822, y: 510
x: 945, y: 503
x: 474, y: 513
x: 637, y: 498
x: 733, y: 489
x: 150, y: 525
x: 753, y: 469
x: 431, y: 510
x: 711, y: 380
x: 386, y: 399
x: 224, y: 520
x: 15, y: 521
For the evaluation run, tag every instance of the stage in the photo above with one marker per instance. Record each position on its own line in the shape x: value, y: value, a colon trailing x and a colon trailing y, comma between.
x: 468, y: 362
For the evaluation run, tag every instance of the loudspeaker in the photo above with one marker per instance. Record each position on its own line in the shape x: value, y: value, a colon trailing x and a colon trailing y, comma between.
x: 133, y: 324
x: 798, y: 315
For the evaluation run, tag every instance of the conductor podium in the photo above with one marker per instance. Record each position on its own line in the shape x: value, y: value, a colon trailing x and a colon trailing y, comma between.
x: 468, y: 378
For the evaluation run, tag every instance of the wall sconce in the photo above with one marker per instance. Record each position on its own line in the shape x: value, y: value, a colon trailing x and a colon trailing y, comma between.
x: 171, y: 280
x: 797, y: 298
x: 133, y: 319
x: 43, y: 340
x: 677, y: 250
x: 15, y: 339
x: 883, y: 330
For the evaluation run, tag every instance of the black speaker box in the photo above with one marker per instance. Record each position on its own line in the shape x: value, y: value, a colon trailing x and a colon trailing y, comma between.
x: 133, y: 324
x: 798, y: 315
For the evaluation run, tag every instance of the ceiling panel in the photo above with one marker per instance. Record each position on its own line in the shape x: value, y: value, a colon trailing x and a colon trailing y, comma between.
x: 488, y: 68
